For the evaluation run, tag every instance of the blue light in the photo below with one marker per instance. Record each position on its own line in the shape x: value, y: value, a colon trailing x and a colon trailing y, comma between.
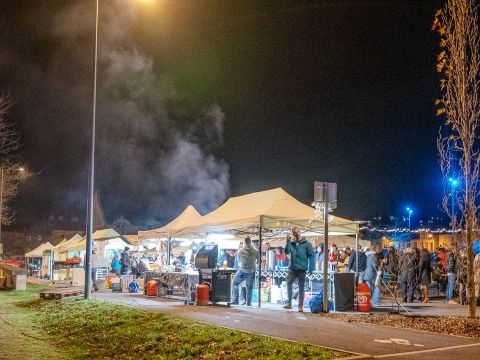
x: 453, y: 182
x: 410, y: 211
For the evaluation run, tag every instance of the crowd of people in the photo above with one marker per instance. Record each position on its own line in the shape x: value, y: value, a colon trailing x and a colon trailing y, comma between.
x: 415, y: 270
x: 411, y: 269
x: 124, y: 264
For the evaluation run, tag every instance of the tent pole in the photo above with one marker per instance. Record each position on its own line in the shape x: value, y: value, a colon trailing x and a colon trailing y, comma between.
x: 325, y: 258
x: 169, y: 251
x: 356, y: 255
x: 260, y: 263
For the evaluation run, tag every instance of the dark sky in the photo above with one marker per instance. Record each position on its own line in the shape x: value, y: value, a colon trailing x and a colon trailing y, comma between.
x: 201, y: 100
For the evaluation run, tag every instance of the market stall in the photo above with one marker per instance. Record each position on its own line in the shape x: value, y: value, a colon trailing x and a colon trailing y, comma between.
x: 39, y: 260
x: 65, y: 260
x: 107, y: 243
x: 266, y: 215
x: 166, y: 245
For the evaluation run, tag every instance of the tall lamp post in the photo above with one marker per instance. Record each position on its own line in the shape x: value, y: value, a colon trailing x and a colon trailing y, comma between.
x: 410, y: 212
x: 453, y: 184
x: 91, y: 179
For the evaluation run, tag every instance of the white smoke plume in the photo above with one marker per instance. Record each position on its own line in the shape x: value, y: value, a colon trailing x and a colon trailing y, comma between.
x: 145, y: 163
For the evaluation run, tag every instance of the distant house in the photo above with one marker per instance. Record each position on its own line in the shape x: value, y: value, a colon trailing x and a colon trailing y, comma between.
x: 125, y: 227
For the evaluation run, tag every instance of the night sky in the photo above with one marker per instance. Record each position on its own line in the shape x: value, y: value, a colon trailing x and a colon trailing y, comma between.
x: 200, y: 100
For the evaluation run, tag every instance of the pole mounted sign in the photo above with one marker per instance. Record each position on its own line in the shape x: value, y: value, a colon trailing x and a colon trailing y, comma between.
x: 325, y: 199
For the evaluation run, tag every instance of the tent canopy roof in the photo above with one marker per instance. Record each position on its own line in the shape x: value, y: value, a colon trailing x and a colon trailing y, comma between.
x: 273, y: 209
x: 188, y: 216
x: 64, y: 246
x: 99, y: 235
x: 105, y: 234
x: 38, y: 251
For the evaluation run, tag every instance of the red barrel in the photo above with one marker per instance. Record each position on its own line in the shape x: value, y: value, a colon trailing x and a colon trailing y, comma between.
x: 151, y: 288
x: 202, y: 294
x: 363, y: 298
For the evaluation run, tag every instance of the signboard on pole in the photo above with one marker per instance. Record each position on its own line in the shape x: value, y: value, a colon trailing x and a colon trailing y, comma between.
x: 325, y: 198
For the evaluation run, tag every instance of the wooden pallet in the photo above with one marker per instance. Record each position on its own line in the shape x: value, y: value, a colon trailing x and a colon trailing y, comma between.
x: 61, y: 293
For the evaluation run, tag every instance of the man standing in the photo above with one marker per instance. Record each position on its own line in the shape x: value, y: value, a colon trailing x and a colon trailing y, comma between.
x: 125, y: 261
x: 93, y: 273
x: 357, y: 257
x: 451, y: 278
x: 301, y: 259
x: 248, y: 256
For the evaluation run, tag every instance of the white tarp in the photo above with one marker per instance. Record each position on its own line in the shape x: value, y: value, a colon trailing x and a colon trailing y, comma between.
x: 188, y: 216
x: 38, y: 251
x: 272, y: 209
x: 62, y: 247
x: 99, y: 236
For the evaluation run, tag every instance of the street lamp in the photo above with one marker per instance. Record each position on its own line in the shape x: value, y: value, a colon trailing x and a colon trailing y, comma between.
x: 410, y: 212
x: 91, y: 178
x: 453, y: 184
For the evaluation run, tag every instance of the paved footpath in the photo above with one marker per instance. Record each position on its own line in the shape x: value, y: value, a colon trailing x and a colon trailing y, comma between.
x: 362, y: 340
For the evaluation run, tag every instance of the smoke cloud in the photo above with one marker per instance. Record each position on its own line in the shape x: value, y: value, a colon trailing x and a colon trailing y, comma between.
x: 150, y: 162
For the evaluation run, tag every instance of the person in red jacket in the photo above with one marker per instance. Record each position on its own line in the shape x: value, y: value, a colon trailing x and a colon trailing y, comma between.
x: 442, y: 256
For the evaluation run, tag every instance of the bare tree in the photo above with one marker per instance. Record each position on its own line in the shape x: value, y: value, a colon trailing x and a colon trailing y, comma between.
x: 458, y: 142
x: 10, y: 173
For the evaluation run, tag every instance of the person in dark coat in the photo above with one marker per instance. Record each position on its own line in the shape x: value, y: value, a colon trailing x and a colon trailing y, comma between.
x: 370, y: 275
x: 425, y: 271
x: 451, y: 274
x: 407, y: 274
x: 357, y: 256
x: 391, y: 262
x: 125, y: 261
x: 301, y: 260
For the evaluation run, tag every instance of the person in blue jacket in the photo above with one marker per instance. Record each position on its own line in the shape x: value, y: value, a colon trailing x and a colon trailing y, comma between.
x: 301, y: 260
x: 115, y: 265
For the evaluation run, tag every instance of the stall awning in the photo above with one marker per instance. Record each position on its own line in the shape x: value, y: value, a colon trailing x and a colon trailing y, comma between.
x: 65, y: 246
x: 273, y: 209
x: 38, y: 251
x: 188, y: 216
x: 99, y: 235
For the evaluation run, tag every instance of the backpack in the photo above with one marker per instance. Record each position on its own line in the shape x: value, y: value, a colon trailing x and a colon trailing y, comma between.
x: 133, y: 287
x: 316, y: 304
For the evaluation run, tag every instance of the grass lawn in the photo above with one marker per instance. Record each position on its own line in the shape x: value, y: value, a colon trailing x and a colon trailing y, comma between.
x: 20, y: 336
x: 80, y: 329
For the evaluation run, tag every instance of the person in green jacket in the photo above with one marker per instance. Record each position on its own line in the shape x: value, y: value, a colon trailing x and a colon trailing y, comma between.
x: 301, y: 260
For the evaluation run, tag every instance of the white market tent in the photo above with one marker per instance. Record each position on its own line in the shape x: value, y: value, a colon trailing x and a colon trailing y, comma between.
x: 266, y: 213
x: 163, y: 235
x: 188, y: 216
x: 270, y: 209
x: 67, y: 245
x: 38, y: 251
x: 100, y: 237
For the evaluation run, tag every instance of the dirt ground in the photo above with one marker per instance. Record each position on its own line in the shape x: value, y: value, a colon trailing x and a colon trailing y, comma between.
x: 451, y: 325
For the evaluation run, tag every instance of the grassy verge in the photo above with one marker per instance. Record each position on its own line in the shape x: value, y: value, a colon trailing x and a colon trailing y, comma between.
x: 99, y: 330
x: 20, y: 336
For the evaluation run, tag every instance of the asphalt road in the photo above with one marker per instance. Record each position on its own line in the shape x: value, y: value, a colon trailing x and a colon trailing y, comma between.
x: 362, y: 340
